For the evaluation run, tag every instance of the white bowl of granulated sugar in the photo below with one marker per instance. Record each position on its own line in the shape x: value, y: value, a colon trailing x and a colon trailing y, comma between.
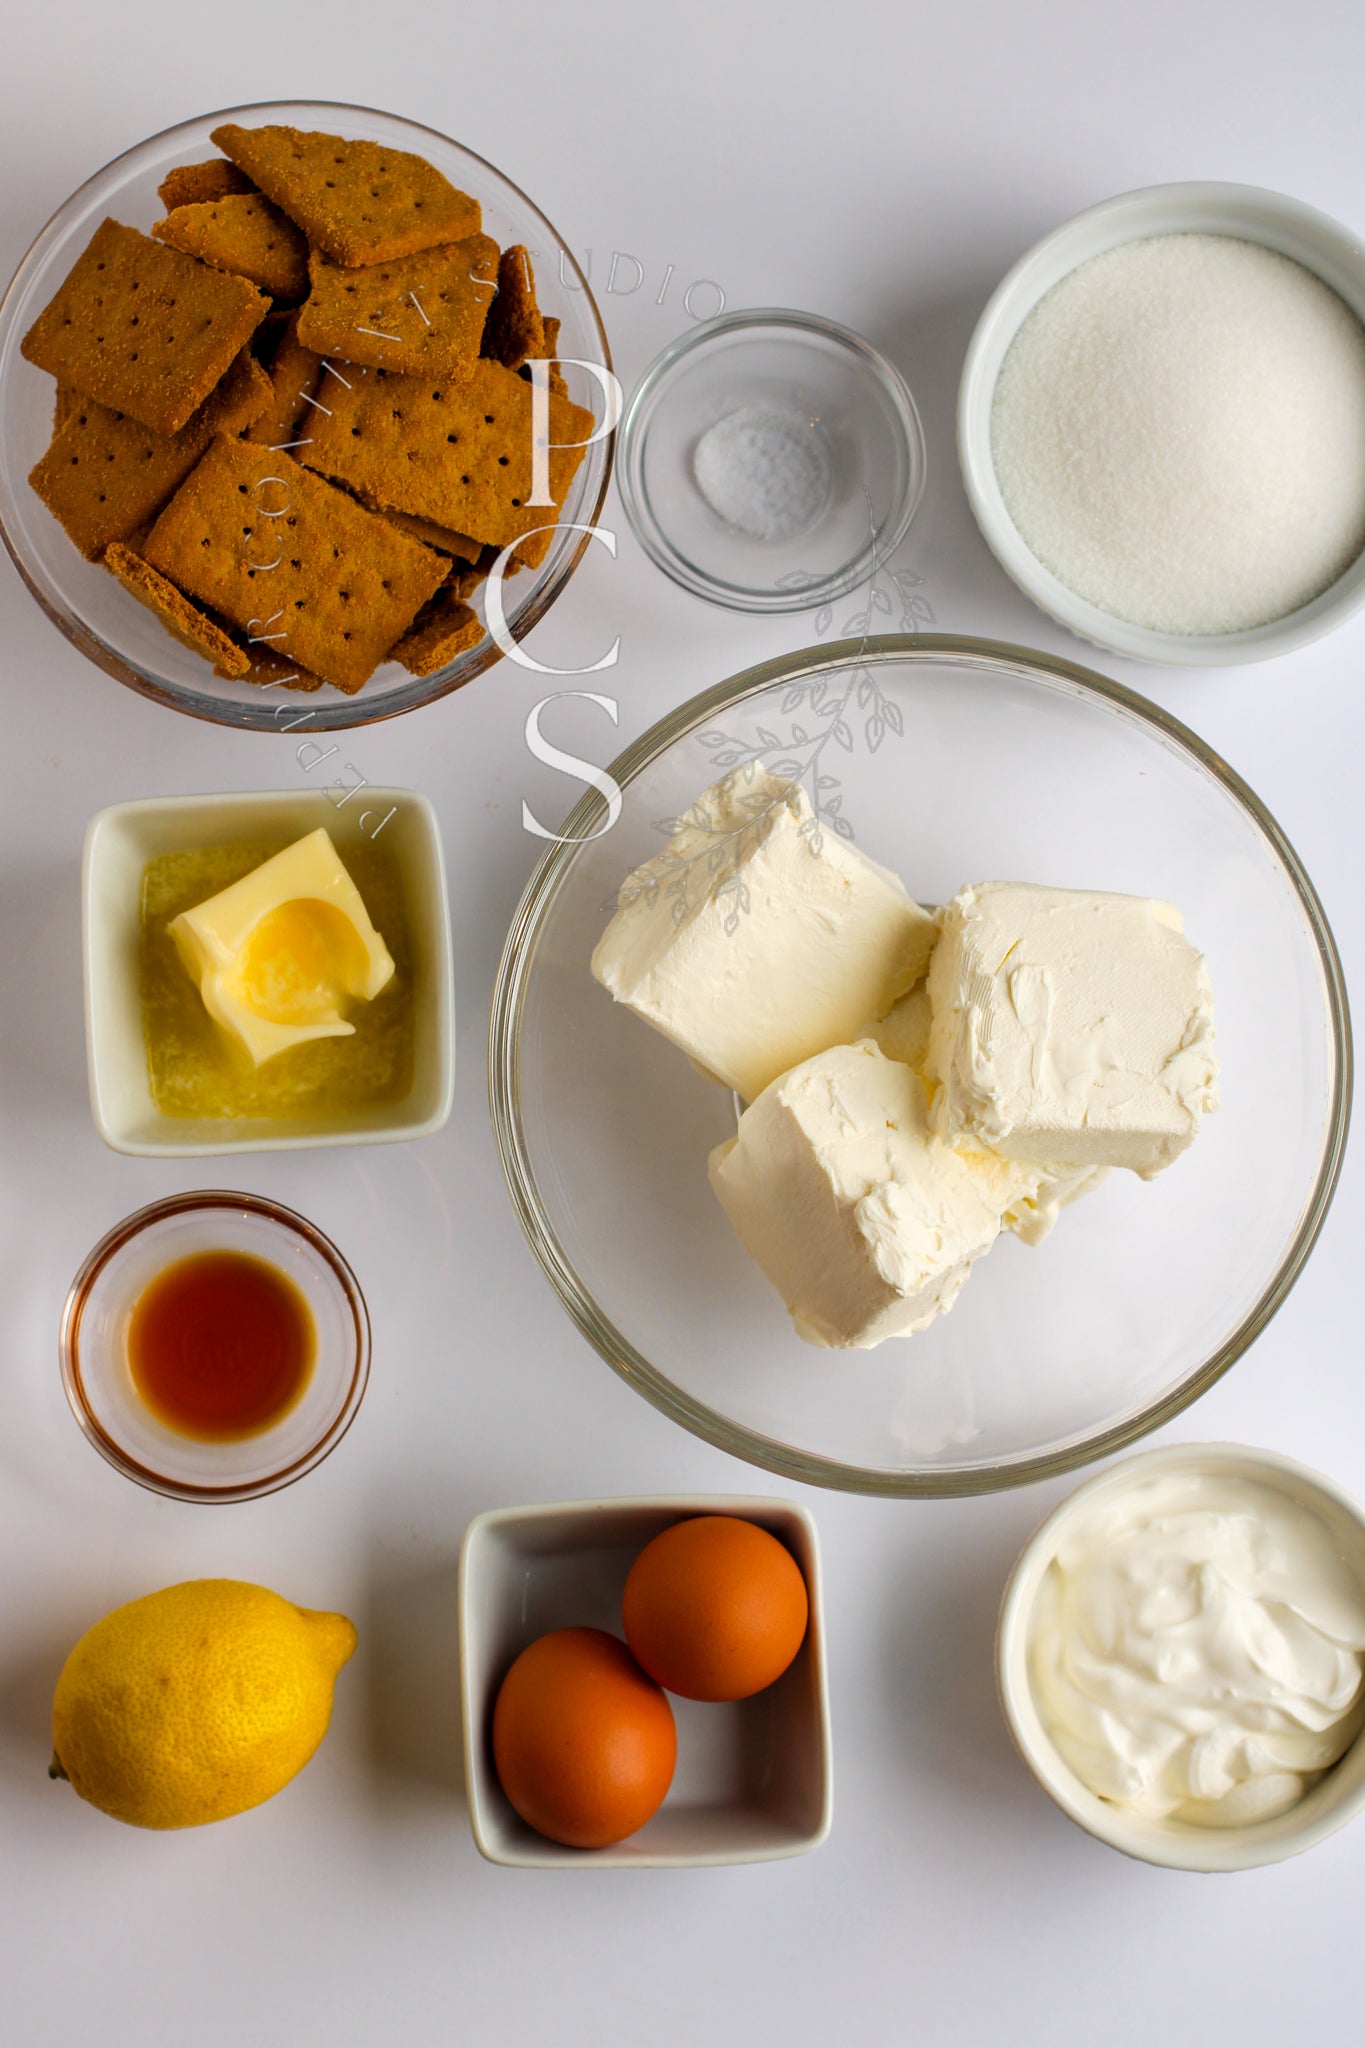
x: 1161, y: 424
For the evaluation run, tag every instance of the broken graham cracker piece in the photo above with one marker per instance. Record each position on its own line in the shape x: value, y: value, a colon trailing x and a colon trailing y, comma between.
x: 442, y: 630
x: 359, y: 202
x: 558, y: 381
x: 295, y: 374
x: 514, y: 329
x: 176, y: 613
x: 461, y: 583
x: 65, y: 406
x: 192, y: 184
x: 293, y: 561
x: 421, y: 315
x: 242, y: 233
x: 531, y: 552
x: 239, y: 401
x: 106, y: 475
x: 144, y: 329
x: 555, y: 379
x: 458, y: 452
x: 267, y: 671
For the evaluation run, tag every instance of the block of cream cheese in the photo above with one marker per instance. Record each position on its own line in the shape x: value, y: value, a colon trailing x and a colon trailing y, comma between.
x: 1070, y: 1028
x: 278, y: 953
x: 863, y: 1220
x: 778, y: 951
x: 903, y: 1034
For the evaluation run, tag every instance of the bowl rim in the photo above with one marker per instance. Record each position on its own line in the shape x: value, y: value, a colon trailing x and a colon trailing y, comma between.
x: 111, y: 1244
x: 490, y: 1524
x: 1171, y: 1846
x: 347, y: 712
x: 504, y: 1076
x: 1010, y: 304
x: 740, y: 597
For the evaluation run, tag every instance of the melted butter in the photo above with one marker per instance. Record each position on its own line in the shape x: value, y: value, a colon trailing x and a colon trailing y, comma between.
x: 297, y: 958
x: 194, y: 1070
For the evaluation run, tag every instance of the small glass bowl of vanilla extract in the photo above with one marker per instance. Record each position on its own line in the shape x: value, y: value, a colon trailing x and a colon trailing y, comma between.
x: 215, y: 1346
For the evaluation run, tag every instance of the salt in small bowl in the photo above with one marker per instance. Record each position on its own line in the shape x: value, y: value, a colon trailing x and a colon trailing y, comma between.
x: 794, y: 426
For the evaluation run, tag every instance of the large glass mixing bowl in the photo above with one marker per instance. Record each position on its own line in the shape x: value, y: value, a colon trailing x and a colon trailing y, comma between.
x: 953, y: 761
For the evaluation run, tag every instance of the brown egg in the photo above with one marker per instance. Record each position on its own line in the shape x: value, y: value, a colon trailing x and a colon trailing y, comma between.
x: 583, y: 1742
x: 715, y: 1608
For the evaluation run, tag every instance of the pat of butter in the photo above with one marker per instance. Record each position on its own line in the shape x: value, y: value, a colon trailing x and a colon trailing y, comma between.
x: 276, y: 954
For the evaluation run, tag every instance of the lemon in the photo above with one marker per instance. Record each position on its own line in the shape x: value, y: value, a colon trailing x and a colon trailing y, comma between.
x: 196, y: 1702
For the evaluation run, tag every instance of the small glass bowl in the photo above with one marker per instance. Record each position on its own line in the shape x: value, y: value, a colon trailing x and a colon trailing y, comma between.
x: 864, y: 420
x: 93, y: 610
x: 94, y: 1358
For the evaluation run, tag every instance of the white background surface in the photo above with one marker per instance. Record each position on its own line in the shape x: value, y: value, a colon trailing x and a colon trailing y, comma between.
x: 882, y: 165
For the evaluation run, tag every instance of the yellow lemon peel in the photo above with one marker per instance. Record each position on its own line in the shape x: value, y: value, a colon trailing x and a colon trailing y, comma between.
x: 196, y: 1702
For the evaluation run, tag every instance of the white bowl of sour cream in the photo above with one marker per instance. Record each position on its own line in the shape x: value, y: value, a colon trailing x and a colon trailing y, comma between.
x: 1181, y: 1657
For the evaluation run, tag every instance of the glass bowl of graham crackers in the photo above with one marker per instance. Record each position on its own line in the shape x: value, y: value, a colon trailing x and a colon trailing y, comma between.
x: 306, y: 416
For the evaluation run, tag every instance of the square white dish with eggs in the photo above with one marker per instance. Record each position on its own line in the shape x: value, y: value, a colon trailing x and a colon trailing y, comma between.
x: 754, y: 1779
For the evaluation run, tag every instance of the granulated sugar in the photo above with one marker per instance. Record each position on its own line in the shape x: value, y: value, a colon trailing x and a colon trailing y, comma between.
x: 1179, y: 433
x: 765, y: 469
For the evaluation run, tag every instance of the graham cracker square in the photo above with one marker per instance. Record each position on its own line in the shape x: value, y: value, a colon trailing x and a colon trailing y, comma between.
x: 243, y: 233
x: 106, y: 475
x: 292, y: 562
x: 145, y: 329
x: 359, y: 202
x: 420, y: 315
x: 457, y: 452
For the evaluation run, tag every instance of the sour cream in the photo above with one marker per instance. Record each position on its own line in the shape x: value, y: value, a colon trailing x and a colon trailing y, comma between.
x: 1196, y: 1649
